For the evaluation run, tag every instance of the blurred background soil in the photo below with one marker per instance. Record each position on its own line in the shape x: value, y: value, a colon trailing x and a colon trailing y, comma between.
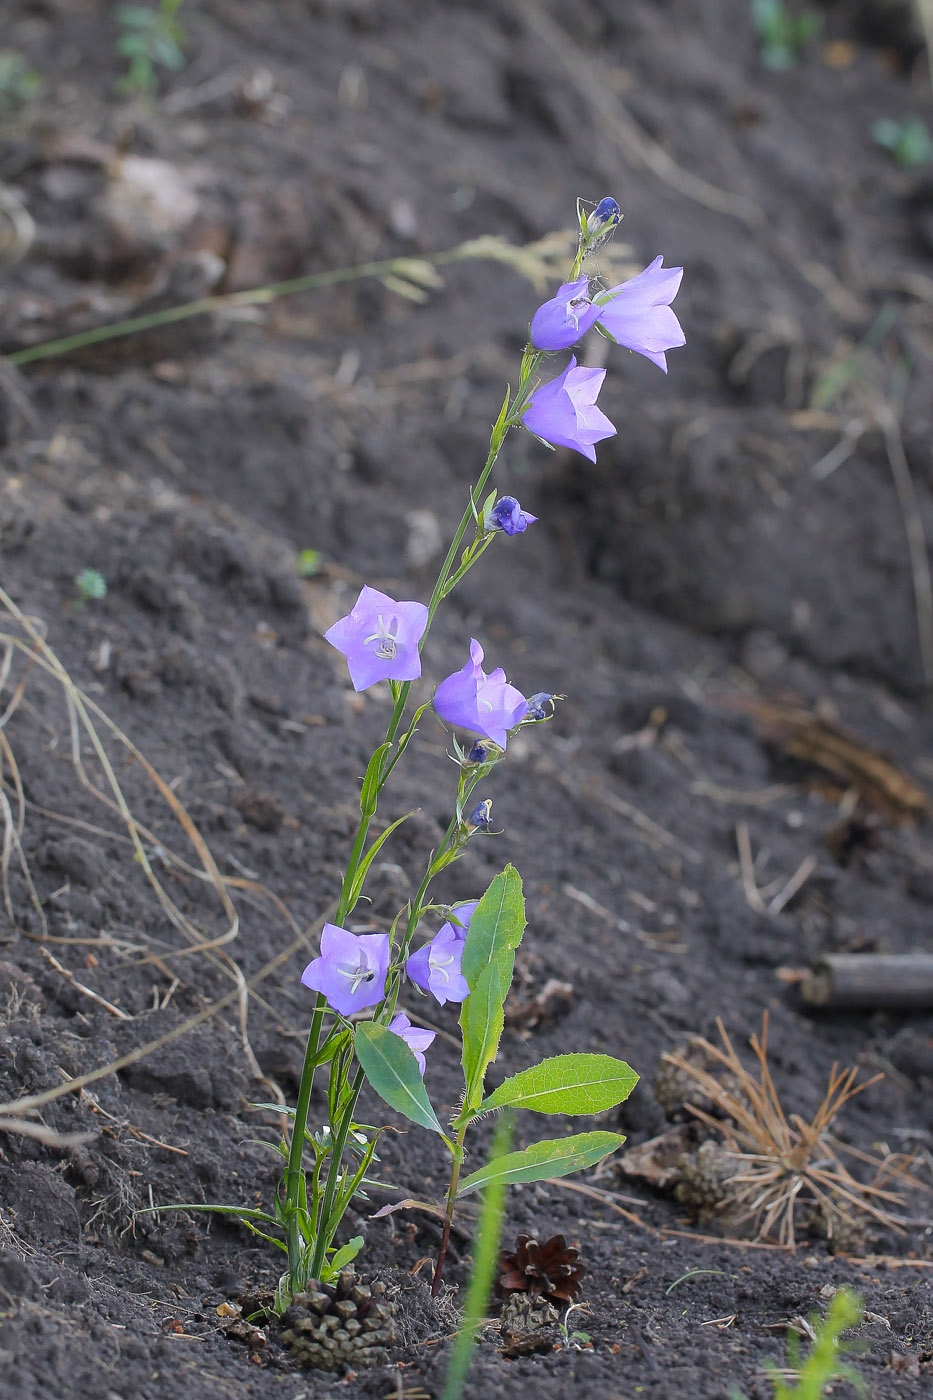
x: 742, y: 573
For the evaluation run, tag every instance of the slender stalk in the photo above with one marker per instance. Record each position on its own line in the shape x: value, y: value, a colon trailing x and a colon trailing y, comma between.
x: 296, y: 1146
x: 324, y: 1233
x: 456, y: 1164
x: 441, y: 589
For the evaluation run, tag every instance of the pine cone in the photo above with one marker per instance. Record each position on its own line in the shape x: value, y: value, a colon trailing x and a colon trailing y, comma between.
x: 549, y: 1271
x: 675, y: 1088
x: 341, y: 1325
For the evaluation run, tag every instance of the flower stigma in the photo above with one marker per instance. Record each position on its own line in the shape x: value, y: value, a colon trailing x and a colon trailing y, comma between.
x: 386, y: 635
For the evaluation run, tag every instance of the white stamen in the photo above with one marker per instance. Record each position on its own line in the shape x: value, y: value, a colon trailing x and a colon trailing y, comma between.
x: 386, y: 637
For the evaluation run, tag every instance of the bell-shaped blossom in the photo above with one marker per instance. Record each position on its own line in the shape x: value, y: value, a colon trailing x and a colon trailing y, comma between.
x: 566, y: 318
x: 564, y: 411
x: 351, y: 971
x: 415, y: 1037
x: 508, y: 516
x: 638, y: 315
x: 379, y: 637
x: 481, y: 704
x: 436, y: 968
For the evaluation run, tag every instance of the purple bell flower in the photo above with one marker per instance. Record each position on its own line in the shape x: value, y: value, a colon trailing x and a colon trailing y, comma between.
x: 638, y: 315
x: 566, y: 318
x: 481, y: 704
x: 351, y: 971
x: 416, y: 1038
x: 564, y: 412
x: 436, y: 968
x: 379, y: 638
x: 508, y: 516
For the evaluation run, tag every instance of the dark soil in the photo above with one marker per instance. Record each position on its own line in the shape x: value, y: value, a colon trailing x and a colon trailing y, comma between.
x: 702, y: 566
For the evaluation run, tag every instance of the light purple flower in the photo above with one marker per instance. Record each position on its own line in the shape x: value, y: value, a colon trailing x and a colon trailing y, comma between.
x: 564, y: 412
x: 508, y: 516
x: 435, y: 968
x: 351, y: 971
x: 379, y: 638
x: 566, y: 318
x: 638, y: 315
x: 481, y: 704
x: 414, y: 1037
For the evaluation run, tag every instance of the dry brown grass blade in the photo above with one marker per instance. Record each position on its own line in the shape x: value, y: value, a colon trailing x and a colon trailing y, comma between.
x: 87, y: 724
x: 784, y: 1160
x: 29, y: 1103
x: 40, y: 1133
x: 805, y: 735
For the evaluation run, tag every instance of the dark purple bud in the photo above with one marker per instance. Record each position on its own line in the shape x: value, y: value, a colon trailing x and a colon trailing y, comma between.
x: 606, y: 215
x: 508, y: 516
x: 480, y: 752
x: 540, y: 706
x: 480, y: 818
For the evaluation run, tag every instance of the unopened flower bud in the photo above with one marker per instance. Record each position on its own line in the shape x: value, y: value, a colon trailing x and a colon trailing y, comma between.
x: 605, y: 217
x: 540, y: 706
x: 508, y: 516
x: 480, y: 819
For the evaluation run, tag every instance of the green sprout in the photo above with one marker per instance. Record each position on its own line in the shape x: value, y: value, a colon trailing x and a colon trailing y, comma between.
x: 783, y: 33
x: 823, y: 1364
x: 18, y: 82
x: 909, y: 142
x: 149, y: 38
x: 309, y: 563
x: 91, y: 586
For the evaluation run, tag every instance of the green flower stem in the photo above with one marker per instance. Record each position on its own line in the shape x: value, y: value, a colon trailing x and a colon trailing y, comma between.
x: 445, y: 582
x: 456, y: 1164
x: 324, y: 1232
x: 293, y: 1170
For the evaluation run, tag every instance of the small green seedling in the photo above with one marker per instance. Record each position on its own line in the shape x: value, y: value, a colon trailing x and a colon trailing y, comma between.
x: 783, y: 32
x: 18, y: 82
x: 150, y: 39
x: 309, y: 563
x: 91, y: 586
x: 823, y: 1364
x: 909, y: 142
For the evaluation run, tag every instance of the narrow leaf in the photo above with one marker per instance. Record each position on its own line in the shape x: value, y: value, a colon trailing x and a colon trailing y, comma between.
x: 346, y: 1254
x: 370, y: 788
x: 392, y: 1070
x: 543, y: 1161
x: 496, y: 928
x: 363, y: 868
x: 566, y: 1084
x: 481, y: 1020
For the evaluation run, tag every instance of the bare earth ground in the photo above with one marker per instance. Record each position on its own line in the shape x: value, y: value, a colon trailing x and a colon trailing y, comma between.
x: 701, y: 565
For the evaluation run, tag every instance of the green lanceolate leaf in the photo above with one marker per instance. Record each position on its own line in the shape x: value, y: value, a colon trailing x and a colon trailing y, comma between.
x: 363, y: 868
x: 393, y: 1072
x: 543, y: 1161
x: 496, y: 929
x: 345, y: 1255
x: 481, y: 1020
x: 566, y: 1084
x: 370, y: 789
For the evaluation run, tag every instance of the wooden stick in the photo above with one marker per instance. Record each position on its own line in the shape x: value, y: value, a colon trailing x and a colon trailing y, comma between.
x: 870, y: 980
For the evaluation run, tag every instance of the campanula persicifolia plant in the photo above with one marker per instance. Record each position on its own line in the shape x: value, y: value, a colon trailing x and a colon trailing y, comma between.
x: 357, y: 1033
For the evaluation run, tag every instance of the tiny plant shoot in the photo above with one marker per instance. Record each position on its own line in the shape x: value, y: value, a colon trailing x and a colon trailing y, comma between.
x: 150, y: 38
x: 357, y: 1033
x: 823, y: 1364
x: 783, y: 32
x: 91, y: 586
